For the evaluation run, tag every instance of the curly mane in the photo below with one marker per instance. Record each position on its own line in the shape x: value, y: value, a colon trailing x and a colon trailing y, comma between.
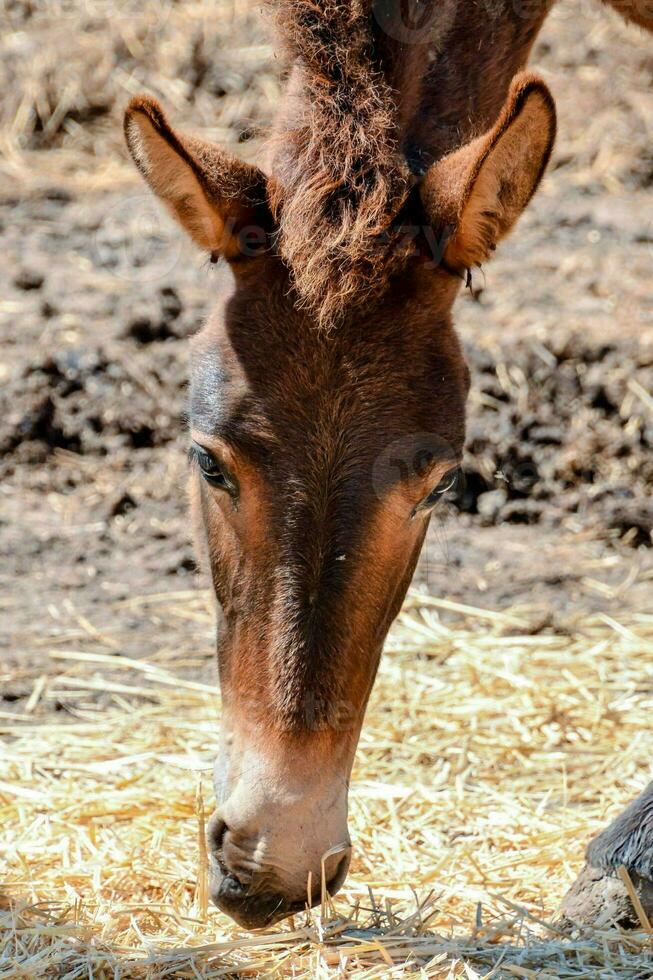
x: 341, y: 176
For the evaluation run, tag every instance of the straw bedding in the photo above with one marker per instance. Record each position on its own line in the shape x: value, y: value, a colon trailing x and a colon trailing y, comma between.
x: 494, y: 745
x: 493, y: 748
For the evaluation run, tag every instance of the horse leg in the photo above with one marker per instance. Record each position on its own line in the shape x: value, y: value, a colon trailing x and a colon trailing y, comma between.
x: 599, y: 896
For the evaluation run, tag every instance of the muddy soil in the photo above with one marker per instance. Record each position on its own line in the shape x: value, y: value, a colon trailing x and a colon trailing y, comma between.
x: 100, y: 294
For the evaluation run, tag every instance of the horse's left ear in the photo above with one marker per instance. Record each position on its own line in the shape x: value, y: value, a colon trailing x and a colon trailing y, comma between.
x: 479, y: 190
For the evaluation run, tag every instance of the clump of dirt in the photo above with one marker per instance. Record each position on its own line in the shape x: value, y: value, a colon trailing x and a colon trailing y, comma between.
x: 562, y: 428
x: 89, y: 402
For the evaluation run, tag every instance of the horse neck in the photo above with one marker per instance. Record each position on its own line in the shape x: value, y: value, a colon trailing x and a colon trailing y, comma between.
x: 462, y: 92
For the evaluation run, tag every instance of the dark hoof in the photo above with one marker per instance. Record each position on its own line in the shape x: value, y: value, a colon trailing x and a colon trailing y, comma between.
x: 600, y: 899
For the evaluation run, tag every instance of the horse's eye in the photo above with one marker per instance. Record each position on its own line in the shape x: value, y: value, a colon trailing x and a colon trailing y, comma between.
x: 447, y: 484
x: 210, y: 468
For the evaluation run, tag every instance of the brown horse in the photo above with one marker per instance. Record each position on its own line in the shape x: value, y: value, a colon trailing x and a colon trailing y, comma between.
x: 328, y: 390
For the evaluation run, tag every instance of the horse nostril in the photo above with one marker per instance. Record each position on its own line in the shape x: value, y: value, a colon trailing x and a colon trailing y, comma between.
x: 232, y: 890
x: 335, y: 882
x: 215, y: 832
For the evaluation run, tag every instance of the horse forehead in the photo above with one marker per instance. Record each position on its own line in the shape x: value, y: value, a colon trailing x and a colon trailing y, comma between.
x: 325, y: 406
x: 312, y: 438
x: 296, y: 391
x: 377, y: 360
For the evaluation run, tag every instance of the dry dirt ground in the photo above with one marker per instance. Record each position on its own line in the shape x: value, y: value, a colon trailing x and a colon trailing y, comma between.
x: 99, y: 292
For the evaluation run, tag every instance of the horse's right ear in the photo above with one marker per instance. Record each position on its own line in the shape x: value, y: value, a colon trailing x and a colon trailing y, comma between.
x: 219, y: 200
